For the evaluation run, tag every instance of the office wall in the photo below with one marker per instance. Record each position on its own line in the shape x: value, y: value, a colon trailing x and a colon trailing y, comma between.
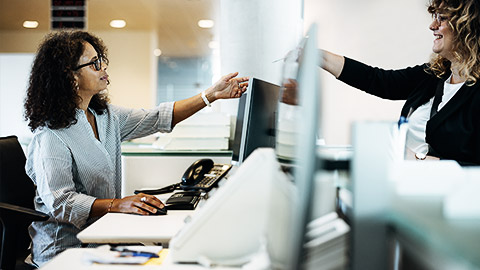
x: 14, y: 74
x: 385, y: 33
x: 254, y: 35
x: 20, y: 41
x: 183, y: 77
x: 133, y: 67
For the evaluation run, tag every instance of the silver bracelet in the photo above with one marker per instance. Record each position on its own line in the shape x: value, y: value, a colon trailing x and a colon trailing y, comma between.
x: 204, y: 97
x: 420, y: 156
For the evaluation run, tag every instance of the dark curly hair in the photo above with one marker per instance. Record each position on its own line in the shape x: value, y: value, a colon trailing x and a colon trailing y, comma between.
x: 52, y: 96
x: 464, y: 20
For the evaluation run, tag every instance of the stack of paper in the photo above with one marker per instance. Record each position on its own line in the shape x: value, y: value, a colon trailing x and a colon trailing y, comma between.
x: 327, y: 243
x: 287, y: 130
x: 120, y: 255
x: 202, y: 131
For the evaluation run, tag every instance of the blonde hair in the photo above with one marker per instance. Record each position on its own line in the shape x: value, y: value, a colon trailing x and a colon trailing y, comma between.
x: 464, y: 19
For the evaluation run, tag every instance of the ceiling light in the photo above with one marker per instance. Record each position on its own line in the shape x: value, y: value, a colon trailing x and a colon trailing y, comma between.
x: 157, y: 52
x: 206, y: 23
x: 118, y: 23
x: 30, y: 24
x: 213, y: 44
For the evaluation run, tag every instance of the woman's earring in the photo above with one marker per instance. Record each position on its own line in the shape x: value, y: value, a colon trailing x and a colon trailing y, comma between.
x: 76, y: 85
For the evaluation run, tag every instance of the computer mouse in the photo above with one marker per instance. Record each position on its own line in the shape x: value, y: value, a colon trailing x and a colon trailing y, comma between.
x: 160, y: 211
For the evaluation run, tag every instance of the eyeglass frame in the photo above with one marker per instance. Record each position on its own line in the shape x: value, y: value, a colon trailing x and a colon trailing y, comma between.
x: 439, y: 18
x: 97, y: 63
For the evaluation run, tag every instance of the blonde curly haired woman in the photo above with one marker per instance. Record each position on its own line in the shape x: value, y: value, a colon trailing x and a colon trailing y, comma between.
x: 442, y: 97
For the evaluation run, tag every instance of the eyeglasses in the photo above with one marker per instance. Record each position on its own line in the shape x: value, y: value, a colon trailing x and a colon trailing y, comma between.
x: 439, y: 18
x: 97, y: 63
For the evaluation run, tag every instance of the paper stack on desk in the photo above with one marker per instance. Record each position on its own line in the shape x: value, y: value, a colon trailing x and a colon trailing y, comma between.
x: 120, y: 255
x: 327, y: 243
x: 202, y: 131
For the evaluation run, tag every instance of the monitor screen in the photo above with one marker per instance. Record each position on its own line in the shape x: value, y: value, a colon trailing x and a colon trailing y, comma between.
x: 256, y: 119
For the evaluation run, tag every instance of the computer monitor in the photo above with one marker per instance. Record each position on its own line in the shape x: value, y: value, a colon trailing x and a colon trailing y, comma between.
x: 298, y: 126
x: 256, y: 119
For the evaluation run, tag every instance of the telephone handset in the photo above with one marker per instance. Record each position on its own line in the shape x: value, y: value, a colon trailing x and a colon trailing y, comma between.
x: 196, y: 172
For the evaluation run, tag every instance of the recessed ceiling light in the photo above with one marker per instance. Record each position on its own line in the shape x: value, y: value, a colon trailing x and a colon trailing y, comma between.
x: 157, y: 52
x: 213, y: 44
x: 30, y: 24
x: 206, y: 23
x: 118, y: 23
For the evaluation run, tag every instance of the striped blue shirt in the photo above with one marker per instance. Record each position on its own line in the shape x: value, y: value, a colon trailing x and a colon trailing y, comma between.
x: 71, y: 169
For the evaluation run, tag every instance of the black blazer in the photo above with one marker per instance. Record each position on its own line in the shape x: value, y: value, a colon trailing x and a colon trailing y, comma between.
x: 453, y: 133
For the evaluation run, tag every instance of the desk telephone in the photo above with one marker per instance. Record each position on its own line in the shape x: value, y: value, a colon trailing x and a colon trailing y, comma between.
x: 202, y: 175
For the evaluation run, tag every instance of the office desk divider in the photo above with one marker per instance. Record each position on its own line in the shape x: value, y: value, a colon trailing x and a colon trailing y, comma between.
x: 230, y: 228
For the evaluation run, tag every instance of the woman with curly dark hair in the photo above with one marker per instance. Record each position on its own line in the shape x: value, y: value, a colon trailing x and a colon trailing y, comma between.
x: 74, y: 156
x: 442, y: 97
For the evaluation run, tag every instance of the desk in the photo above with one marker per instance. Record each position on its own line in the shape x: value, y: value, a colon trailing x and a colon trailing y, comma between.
x: 429, y: 240
x: 72, y: 259
x: 127, y: 228
x: 225, y: 216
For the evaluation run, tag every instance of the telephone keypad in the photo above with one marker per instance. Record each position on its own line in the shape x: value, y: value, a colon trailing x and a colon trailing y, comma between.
x: 212, y: 177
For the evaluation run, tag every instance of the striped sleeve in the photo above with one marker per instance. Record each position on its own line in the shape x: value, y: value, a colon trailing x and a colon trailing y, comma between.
x: 136, y: 123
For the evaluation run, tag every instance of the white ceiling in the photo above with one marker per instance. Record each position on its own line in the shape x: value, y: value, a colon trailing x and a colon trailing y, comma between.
x: 175, y: 21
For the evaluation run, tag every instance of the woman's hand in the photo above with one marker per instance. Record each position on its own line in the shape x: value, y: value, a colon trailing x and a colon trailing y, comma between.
x: 229, y: 87
x: 290, y: 92
x: 135, y: 204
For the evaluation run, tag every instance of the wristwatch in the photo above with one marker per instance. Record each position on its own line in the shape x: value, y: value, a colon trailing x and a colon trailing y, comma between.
x: 420, y: 156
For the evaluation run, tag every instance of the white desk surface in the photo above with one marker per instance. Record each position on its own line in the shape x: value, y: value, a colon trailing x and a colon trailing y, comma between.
x: 72, y: 259
x: 128, y: 228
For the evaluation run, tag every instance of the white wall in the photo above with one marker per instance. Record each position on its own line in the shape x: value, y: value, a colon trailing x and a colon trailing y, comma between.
x: 14, y: 75
x: 253, y: 34
x: 384, y: 33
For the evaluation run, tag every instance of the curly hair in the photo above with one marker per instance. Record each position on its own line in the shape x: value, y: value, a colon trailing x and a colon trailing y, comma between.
x: 464, y: 19
x: 52, y: 97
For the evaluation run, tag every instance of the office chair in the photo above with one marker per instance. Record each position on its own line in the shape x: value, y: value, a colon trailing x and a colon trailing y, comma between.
x: 16, y: 205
